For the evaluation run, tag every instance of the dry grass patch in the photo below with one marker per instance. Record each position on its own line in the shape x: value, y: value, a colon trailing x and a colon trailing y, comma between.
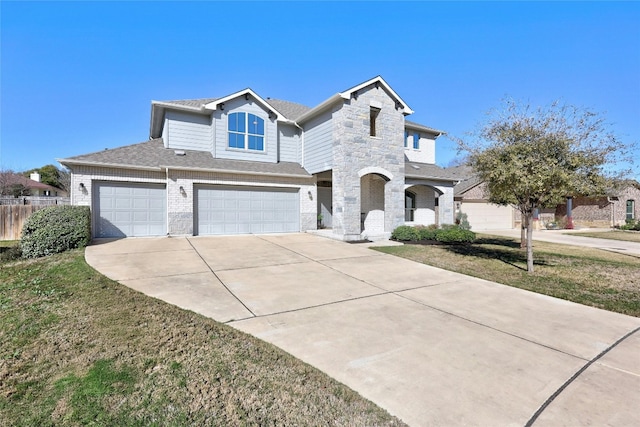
x: 588, y: 276
x: 79, y: 349
x: 626, y: 236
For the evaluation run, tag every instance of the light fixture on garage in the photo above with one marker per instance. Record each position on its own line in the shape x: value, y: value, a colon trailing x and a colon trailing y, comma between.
x: 82, y: 185
x: 310, y: 195
x: 184, y: 193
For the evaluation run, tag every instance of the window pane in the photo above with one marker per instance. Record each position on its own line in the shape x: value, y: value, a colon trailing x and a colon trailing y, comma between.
x: 406, y: 138
x: 416, y: 141
x: 241, y: 122
x: 256, y: 125
x: 236, y: 140
x: 256, y: 143
x: 260, y: 130
x: 233, y: 122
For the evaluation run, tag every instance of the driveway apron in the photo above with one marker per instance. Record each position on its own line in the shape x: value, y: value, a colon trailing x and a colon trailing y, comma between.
x: 430, y: 346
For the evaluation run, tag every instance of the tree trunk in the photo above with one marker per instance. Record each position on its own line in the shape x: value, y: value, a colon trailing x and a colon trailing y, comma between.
x: 523, y: 231
x: 529, y: 243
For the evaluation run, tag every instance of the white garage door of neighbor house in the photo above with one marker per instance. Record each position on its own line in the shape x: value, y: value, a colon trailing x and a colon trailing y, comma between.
x: 487, y: 216
x: 246, y: 210
x: 129, y: 210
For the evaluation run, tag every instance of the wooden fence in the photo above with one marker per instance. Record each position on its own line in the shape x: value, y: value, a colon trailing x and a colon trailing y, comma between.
x: 34, y: 200
x: 12, y: 218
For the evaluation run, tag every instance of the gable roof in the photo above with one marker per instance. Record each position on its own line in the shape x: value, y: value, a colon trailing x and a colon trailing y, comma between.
x: 10, y: 178
x: 378, y: 81
x: 218, y: 103
x: 286, y: 111
x: 152, y: 155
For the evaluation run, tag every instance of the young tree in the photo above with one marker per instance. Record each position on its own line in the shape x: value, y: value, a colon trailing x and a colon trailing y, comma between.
x: 533, y: 158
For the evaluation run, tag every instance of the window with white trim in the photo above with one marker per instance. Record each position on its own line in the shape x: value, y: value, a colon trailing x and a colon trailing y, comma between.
x: 631, y: 205
x: 246, y: 131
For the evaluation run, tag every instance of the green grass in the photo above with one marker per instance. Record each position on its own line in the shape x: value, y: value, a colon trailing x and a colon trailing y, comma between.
x: 585, y: 275
x: 626, y: 236
x: 79, y: 349
x: 8, y: 243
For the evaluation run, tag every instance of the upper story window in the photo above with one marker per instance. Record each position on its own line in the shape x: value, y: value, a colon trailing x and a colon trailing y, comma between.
x: 246, y: 131
x: 416, y: 141
x: 373, y: 118
x: 631, y: 209
x: 406, y: 139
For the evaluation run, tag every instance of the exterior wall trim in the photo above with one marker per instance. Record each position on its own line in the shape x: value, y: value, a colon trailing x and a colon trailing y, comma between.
x: 376, y: 170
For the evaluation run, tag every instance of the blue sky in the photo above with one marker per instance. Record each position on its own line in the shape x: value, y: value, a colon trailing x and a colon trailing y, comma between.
x: 78, y: 77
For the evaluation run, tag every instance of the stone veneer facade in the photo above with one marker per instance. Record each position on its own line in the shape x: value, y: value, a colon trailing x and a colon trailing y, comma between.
x: 356, y: 154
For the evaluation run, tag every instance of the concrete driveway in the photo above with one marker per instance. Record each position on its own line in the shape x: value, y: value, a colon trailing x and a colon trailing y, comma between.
x: 430, y: 346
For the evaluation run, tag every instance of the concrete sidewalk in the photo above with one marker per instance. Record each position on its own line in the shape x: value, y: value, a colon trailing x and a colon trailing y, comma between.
x: 431, y: 346
x: 566, y: 237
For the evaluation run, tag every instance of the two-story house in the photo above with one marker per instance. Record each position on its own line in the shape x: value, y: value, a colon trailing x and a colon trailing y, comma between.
x: 247, y: 164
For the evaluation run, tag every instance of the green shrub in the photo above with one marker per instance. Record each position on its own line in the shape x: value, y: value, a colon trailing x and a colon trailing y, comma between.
x: 455, y: 234
x: 631, y: 224
x: 405, y: 233
x: 427, y: 233
x: 449, y: 233
x: 55, y: 229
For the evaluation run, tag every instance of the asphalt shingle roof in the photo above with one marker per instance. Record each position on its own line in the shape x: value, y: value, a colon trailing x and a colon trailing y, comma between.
x: 419, y: 126
x: 290, y: 110
x: 428, y: 170
x: 152, y: 154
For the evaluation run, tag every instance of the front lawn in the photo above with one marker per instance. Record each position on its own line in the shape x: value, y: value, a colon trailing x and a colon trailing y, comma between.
x: 626, y: 236
x: 585, y: 275
x: 79, y: 349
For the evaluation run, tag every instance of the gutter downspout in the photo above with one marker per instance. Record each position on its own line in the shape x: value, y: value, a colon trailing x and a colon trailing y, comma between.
x: 301, y: 143
x: 167, y: 199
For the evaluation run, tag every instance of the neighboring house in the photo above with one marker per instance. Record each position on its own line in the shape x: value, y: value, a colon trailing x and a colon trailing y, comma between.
x: 606, y: 211
x: 247, y: 164
x: 13, y: 184
x: 471, y: 198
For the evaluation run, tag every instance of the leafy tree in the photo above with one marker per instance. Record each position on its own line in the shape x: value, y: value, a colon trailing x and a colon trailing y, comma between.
x: 533, y: 158
x: 49, y: 175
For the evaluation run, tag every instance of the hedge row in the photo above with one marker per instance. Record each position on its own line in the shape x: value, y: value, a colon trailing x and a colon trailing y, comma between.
x: 55, y: 229
x: 446, y: 234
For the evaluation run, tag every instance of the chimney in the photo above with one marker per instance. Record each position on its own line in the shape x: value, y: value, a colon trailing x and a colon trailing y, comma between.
x: 35, y: 176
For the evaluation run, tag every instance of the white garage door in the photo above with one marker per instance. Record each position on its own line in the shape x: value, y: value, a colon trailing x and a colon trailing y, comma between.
x: 487, y: 216
x: 128, y: 210
x: 247, y: 210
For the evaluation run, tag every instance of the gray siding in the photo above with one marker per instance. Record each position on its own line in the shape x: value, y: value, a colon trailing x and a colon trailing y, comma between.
x: 289, y: 143
x: 318, y: 141
x: 187, y: 131
x: 222, y: 151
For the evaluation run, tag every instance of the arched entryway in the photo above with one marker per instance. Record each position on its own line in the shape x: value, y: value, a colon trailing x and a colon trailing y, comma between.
x: 372, y: 203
